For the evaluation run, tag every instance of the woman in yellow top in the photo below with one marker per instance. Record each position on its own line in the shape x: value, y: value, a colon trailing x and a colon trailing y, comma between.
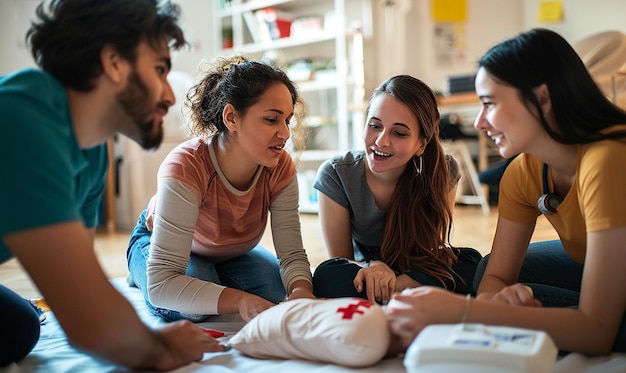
x: 539, y: 100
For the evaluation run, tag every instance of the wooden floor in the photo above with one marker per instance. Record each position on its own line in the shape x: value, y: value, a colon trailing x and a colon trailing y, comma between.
x: 471, y: 229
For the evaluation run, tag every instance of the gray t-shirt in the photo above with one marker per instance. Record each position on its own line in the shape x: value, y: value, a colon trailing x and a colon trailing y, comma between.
x: 342, y: 179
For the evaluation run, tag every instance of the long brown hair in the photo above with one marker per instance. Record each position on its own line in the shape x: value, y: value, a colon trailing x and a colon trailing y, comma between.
x: 419, y: 219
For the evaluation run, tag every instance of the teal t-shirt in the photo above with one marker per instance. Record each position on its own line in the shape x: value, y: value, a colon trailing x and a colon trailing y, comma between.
x: 45, y: 177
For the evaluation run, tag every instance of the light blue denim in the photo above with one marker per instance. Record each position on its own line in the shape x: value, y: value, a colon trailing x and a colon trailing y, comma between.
x: 554, y: 277
x: 256, y: 272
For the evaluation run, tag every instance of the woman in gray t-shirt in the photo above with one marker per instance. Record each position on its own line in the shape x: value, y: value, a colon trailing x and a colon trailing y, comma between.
x: 386, y: 211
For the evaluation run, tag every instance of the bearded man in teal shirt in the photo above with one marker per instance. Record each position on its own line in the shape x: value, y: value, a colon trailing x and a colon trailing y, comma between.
x: 103, y: 71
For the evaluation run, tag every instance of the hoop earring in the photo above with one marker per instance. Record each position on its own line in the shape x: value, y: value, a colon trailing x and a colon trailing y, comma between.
x: 418, y: 170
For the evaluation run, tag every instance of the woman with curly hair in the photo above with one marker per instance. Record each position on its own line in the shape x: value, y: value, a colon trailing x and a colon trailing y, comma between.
x: 195, y: 250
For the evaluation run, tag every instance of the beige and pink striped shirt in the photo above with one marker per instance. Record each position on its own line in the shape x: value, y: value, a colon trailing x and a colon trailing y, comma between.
x: 197, y: 210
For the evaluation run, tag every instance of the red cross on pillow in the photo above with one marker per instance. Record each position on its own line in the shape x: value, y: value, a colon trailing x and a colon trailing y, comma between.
x: 344, y: 331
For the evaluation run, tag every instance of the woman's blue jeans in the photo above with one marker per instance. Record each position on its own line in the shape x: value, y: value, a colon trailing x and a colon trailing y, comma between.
x: 256, y: 272
x: 554, y: 277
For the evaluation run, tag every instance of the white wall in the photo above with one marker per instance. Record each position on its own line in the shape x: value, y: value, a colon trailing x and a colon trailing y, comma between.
x: 581, y: 18
x: 14, y: 53
x: 14, y: 14
x: 196, y: 23
x: 489, y: 21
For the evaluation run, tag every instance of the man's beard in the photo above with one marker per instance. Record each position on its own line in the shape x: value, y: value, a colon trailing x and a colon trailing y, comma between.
x: 135, y: 100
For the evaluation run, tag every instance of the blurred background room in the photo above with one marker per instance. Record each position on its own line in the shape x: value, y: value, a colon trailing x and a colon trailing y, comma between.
x: 338, y: 51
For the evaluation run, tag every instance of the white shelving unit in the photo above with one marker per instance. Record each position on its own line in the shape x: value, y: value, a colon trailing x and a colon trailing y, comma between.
x: 327, y: 96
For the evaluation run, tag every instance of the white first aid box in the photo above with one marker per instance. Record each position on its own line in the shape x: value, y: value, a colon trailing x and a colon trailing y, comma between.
x: 474, y: 348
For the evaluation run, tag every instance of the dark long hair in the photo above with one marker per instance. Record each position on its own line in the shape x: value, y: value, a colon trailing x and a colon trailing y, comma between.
x: 419, y: 218
x: 542, y: 56
x: 67, y: 39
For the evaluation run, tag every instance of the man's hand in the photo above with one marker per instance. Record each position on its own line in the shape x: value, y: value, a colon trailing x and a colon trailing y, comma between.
x: 183, y: 344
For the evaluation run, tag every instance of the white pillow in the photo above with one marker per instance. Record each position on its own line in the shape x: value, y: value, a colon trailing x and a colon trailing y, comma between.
x: 345, y: 331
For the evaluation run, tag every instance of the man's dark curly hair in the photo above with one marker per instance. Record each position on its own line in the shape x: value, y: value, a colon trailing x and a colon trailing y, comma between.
x: 69, y: 35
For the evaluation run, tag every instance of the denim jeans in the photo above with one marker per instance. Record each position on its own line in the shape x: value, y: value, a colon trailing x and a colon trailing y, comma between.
x: 554, y: 277
x: 256, y: 272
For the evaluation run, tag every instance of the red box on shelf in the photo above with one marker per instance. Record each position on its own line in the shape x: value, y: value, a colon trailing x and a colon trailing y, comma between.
x: 278, y: 23
x: 284, y: 28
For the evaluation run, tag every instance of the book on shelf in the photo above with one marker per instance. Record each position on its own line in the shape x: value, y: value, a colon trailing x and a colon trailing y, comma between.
x: 279, y: 22
x: 267, y: 24
x: 264, y: 30
x: 273, y: 23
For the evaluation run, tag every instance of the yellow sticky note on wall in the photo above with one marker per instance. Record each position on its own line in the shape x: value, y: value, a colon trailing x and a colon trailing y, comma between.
x: 449, y: 10
x: 550, y: 11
